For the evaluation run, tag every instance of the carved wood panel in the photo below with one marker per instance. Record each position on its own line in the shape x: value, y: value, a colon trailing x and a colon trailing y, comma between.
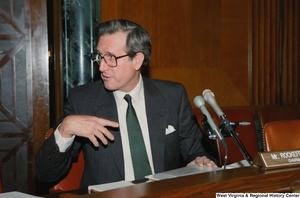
x: 15, y: 87
x: 19, y: 89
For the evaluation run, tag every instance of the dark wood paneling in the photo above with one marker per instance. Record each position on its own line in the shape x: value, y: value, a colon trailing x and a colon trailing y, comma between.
x: 40, y: 78
x: 275, y: 52
x: 40, y: 71
x: 200, y: 43
x: 56, y: 60
x: 233, y: 47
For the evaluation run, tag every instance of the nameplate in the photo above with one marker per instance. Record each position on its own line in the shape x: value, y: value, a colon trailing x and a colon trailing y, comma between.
x: 278, y: 159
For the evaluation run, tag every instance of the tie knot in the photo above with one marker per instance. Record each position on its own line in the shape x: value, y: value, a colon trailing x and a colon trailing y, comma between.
x: 127, y: 97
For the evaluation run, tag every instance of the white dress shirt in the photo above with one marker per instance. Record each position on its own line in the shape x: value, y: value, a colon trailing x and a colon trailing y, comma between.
x: 138, y: 102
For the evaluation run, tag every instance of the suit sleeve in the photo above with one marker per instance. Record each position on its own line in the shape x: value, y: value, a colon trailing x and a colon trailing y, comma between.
x: 191, y: 136
x: 51, y: 164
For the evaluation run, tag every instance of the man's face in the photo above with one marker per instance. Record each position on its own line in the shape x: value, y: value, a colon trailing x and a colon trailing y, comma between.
x: 125, y: 76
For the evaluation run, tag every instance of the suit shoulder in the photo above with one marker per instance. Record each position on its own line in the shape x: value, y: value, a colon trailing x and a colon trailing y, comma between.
x: 87, y: 88
x: 165, y: 83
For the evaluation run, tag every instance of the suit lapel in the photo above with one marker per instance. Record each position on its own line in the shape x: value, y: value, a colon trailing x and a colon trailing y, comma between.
x: 156, y: 111
x: 106, y: 108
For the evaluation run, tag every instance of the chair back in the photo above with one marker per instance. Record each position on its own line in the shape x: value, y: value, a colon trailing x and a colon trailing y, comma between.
x: 246, y: 134
x: 1, y: 187
x: 277, y: 113
x: 72, y: 180
x: 281, y: 135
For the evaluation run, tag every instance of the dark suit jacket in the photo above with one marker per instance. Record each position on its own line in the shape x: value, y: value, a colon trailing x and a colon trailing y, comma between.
x: 166, y: 104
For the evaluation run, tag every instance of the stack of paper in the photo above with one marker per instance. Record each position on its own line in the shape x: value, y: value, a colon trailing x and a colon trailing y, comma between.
x: 16, y: 194
x: 188, y: 170
x: 109, y: 186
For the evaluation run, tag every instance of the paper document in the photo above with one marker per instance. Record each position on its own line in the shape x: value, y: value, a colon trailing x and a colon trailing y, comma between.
x: 16, y: 194
x: 188, y: 170
x: 109, y: 186
x: 240, y: 164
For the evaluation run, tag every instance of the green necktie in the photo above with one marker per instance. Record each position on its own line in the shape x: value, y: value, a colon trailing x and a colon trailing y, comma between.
x: 139, y: 156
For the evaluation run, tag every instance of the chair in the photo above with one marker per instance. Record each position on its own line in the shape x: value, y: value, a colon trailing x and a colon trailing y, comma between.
x: 72, y: 180
x: 1, y: 187
x: 277, y: 113
x: 281, y: 135
x: 246, y: 134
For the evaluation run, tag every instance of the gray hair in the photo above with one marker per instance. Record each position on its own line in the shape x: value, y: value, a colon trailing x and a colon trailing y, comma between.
x: 138, y: 39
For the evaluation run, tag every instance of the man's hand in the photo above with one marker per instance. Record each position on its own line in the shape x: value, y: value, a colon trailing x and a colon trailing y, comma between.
x: 201, y: 161
x: 90, y: 127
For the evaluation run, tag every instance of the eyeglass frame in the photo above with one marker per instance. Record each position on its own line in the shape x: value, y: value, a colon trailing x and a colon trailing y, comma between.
x: 98, y: 54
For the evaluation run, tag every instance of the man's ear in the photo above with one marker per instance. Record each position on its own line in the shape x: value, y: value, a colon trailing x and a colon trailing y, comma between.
x: 138, y: 60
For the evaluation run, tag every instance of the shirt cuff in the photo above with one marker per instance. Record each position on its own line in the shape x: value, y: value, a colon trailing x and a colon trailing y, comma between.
x: 62, y: 143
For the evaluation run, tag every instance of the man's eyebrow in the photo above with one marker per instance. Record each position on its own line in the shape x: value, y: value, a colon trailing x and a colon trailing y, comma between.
x: 109, y: 53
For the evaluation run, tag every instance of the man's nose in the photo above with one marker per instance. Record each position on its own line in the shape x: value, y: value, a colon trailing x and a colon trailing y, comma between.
x: 102, y: 65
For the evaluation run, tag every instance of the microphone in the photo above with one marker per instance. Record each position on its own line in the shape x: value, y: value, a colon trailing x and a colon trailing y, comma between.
x: 207, y: 128
x: 209, y: 97
x: 199, y: 102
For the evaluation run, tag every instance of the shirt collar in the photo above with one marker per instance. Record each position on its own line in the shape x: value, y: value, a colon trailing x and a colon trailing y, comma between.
x: 136, y: 93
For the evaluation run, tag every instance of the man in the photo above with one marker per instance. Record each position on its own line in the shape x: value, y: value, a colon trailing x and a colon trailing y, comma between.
x: 96, y: 116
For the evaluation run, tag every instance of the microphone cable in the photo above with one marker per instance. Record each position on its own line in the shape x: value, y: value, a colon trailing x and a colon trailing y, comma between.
x: 225, y: 157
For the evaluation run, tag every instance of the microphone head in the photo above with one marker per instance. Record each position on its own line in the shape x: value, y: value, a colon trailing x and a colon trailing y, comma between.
x: 207, y: 93
x: 199, y: 101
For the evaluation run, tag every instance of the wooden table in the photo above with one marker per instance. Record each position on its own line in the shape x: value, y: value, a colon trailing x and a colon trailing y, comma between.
x: 248, y: 179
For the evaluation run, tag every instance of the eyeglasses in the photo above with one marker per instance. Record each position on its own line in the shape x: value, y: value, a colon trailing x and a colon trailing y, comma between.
x: 110, y: 60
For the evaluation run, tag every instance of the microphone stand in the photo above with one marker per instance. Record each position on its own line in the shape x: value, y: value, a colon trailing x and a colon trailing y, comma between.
x: 207, y: 128
x: 243, y: 150
x: 213, y: 136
